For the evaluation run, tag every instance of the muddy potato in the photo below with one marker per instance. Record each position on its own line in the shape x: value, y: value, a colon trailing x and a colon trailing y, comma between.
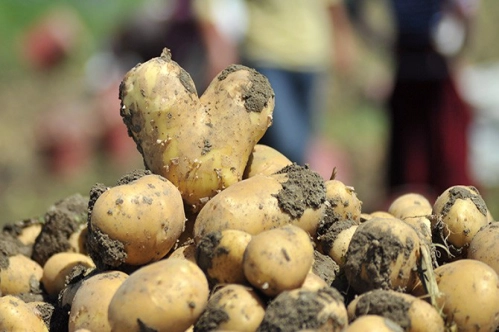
x: 343, y: 200
x: 16, y: 315
x: 334, y: 239
x: 90, y: 303
x: 20, y: 275
x: 409, y: 312
x: 164, y: 296
x: 485, y: 246
x: 265, y: 160
x: 313, y: 282
x: 383, y: 254
x: 184, y: 137
x: 278, y: 259
x: 459, y: 213
x: 59, y: 266
x: 469, y: 295
x: 220, y: 256
x: 294, y: 195
x: 232, y: 308
x: 135, y: 223
x: 373, y: 323
x: 416, y: 210
x: 301, y: 309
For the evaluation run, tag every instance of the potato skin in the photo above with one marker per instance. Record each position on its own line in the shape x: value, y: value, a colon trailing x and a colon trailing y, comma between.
x: 166, y: 296
x: 16, y: 315
x: 20, y: 275
x: 373, y: 323
x: 265, y: 160
x: 183, y: 137
x: 144, y: 218
x: 485, y: 246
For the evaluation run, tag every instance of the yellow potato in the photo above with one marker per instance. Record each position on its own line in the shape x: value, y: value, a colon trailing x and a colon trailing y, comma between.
x: 313, y: 282
x: 20, y: 276
x: 485, y: 246
x: 164, y: 296
x: 90, y: 303
x: 400, y: 203
x: 343, y: 200
x: 373, y: 323
x: 135, y: 223
x: 278, y: 259
x: 202, y: 145
x: 265, y: 160
x: 335, y: 239
x: 17, y: 316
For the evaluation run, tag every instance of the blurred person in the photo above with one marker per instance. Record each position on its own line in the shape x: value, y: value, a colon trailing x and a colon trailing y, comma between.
x: 429, y: 119
x: 294, y: 43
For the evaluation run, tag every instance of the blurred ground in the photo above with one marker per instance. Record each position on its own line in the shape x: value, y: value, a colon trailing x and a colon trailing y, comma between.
x: 354, y: 129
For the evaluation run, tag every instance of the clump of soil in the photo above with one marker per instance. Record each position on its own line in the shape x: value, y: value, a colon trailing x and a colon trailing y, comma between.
x: 325, y: 267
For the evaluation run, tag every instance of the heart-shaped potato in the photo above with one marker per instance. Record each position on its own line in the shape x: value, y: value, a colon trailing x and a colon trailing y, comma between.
x: 201, y: 144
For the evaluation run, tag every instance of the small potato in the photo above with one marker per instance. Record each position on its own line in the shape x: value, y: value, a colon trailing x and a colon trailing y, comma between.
x: 334, y: 240
x: 18, y: 316
x: 164, y: 296
x: 135, y: 223
x: 220, y: 256
x: 21, y: 275
x: 411, y: 313
x: 485, y: 246
x: 373, y: 323
x: 313, y: 282
x: 469, y: 295
x: 400, y: 203
x: 232, y: 308
x: 58, y: 267
x: 278, y: 259
x: 186, y: 251
x: 90, y: 303
x: 343, y: 200
x: 265, y: 160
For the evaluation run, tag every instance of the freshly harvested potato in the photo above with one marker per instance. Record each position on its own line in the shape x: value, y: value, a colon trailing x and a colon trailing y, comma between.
x: 383, y: 253
x: 343, y: 200
x: 186, y: 251
x: 135, y: 223
x: 220, y: 256
x: 232, y: 308
x: 335, y: 239
x: 313, y: 282
x: 301, y: 309
x: 202, y: 145
x: 278, y: 259
x: 416, y: 210
x: 459, y: 212
x: 59, y: 266
x: 16, y: 316
x: 411, y: 313
x: 265, y: 160
x: 164, y: 296
x: 373, y: 323
x: 469, y: 295
x: 401, y: 202
x: 20, y: 275
x: 485, y: 245
x: 294, y: 195
x: 90, y: 303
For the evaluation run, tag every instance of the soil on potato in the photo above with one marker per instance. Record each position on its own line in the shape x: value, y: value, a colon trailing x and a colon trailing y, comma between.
x: 325, y: 267
x: 329, y: 232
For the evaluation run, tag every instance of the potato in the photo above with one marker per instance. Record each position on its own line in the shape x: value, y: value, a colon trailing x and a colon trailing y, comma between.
x: 485, y: 245
x: 187, y: 251
x: 164, y: 296
x: 17, y: 316
x: 232, y: 308
x: 135, y: 223
x: 313, y: 282
x: 469, y: 295
x: 202, y: 145
x: 21, y: 275
x: 373, y: 323
x: 58, y: 267
x: 411, y: 313
x: 343, y: 200
x: 278, y: 259
x: 90, y: 303
x: 401, y: 202
x: 335, y: 239
x: 220, y: 256
x: 383, y: 254
x: 294, y: 195
x: 265, y: 160
x: 416, y: 210
x: 459, y: 213
x: 301, y: 309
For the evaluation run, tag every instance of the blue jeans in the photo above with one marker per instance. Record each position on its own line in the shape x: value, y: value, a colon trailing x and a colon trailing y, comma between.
x: 295, y: 98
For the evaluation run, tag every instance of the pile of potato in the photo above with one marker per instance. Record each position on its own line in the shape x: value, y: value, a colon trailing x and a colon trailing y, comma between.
x: 220, y: 233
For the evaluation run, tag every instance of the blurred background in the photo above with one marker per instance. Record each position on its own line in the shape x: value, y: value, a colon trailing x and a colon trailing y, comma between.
x: 60, y: 130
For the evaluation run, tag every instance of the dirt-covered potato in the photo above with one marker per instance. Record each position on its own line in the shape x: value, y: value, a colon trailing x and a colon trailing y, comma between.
x: 373, y: 323
x: 265, y: 160
x: 459, y: 212
x: 411, y: 313
x: 343, y: 200
x: 201, y: 144
x: 164, y: 296
x: 17, y: 316
x: 468, y: 295
x: 294, y: 195
x: 301, y: 309
x: 90, y: 303
x: 59, y: 266
x: 232, y: 308
x: 383, y: 254
x: 485, y: 246
x: 220, y: 256
x: 135, y: 223
x: 19, y: 275
x: 334, y: 239
x: 278, y: 259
